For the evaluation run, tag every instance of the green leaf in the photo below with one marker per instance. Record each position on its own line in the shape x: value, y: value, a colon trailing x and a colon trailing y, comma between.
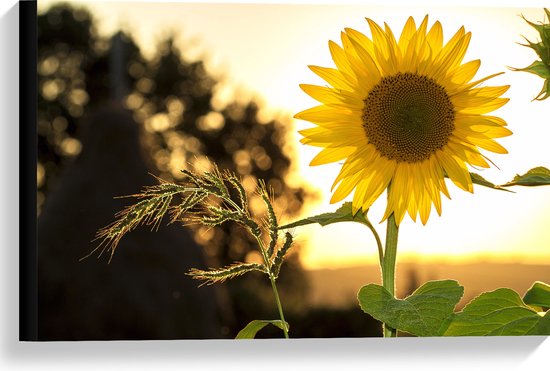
x: 478, y: 179
x: 535, y: 177
x: 499, y: 312
x: 343, y: 214
x: 538, y: 294
x: 423, y: 313
x: 542, y: 327
x: 250, y: 330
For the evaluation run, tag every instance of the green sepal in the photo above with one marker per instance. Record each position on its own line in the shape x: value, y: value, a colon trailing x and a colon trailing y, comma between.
x: 542, y: 29
x: 541, y: 49
x: 250, y: 330
x: 538, y: 68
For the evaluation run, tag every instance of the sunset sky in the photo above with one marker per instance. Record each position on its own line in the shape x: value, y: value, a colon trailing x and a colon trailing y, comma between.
x: 263, y: 50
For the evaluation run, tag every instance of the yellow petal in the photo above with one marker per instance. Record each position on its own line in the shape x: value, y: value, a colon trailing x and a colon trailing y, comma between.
x: 333, y: 77
x: 338, y: 133
x: 408, y: 31
x: 331, y: 154
x: 399, y: 193
x: 435, y: 37
x: 448, y: 58
x: 487, y: 107
x: 425, y: 206
x: 361, y: 160
x: 346, y: 186
x: 467, y: 153
x: 360, y: 39
x: 439, y: 176
x: 456, y: 170
x: 332, y: 97
x: 322, y: 114
x: 358, y: 67
x: 368, y: 64
x: 491, y: 145
x: 382, y: 48
x: 381, y: 175
x: 341, y: 61
x: 465, y: 72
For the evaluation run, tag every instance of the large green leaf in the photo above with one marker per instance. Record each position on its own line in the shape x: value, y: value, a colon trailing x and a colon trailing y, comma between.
x: 423, y: 313
x: 343, y: 214
x: 538, y: 294
x: 542, y: 327
x: 535, y: 177
x: 250, y: 331
x: 499, y: 312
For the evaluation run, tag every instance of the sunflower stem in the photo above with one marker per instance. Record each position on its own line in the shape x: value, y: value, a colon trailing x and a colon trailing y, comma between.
x: 388, y: 266
x: 378, y: 243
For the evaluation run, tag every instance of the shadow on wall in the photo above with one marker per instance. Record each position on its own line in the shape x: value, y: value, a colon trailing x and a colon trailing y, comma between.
x: 144, y: 292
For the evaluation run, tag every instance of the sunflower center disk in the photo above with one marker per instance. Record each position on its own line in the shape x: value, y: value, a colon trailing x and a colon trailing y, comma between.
x: 408, y: 117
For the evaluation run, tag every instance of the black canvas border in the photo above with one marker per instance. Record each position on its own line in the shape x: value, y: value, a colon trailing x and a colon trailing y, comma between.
x: 28, y: 267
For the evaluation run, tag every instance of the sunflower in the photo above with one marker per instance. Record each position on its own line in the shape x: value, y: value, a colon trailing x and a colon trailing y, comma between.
x: 403, y: 114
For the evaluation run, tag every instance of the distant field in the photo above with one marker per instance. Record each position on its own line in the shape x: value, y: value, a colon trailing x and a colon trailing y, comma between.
x: 338, y: 287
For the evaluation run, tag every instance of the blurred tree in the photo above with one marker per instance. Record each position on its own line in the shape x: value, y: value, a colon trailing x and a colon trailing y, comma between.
x: 66, y: 45
x: 172, y: 98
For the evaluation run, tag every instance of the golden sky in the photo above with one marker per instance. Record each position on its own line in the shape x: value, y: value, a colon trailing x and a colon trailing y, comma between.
x: 263, y: 50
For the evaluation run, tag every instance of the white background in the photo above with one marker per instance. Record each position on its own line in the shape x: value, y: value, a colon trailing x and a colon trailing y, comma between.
x: 349, y: 354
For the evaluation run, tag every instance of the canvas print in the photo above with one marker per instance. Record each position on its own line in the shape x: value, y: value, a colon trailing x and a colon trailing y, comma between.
x: 241, y: 171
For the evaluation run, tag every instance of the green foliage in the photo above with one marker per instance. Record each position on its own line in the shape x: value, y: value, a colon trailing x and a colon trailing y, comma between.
x: 210, y: 198
x: 429, y: 311
x: 542, y: 327
x: 542, y: 48
x: 423, y: 313
x: 205, y: 199
x: 499, y: 312
x: 343, y: 214
x: 478, y: 179
x: 535, y: 177
x: 538, y: 294
x: 250, y: 331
